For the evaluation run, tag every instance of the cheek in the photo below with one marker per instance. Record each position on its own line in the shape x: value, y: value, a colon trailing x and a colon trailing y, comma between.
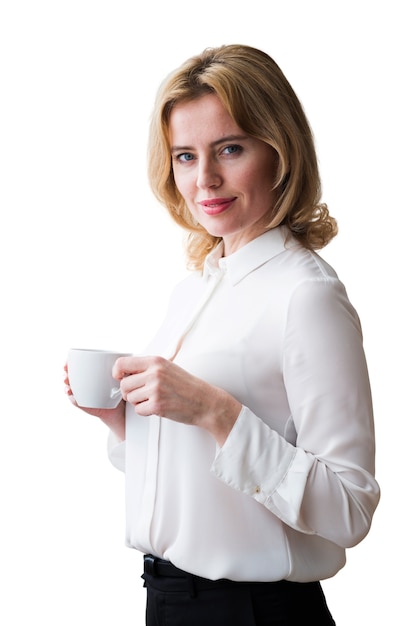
x: 258, y: 182
x: 182, y: 183
x: 268, y: 178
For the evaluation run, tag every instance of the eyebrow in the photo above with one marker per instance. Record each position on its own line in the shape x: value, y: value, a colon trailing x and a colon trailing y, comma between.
x: 215, y: 143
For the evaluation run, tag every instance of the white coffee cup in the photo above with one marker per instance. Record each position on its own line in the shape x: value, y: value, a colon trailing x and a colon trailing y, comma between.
x: 91, y: 380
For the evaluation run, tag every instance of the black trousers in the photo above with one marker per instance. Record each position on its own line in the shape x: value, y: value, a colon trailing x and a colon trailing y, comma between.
x: 187, y: 600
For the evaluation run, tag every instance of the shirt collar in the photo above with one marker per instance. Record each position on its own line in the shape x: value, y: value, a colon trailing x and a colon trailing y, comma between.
x: 251, y: 256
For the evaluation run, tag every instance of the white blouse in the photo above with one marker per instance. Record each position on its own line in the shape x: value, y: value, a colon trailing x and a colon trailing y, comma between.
x: 293, y: 485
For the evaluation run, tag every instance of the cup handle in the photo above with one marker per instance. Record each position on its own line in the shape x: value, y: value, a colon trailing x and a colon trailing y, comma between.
x: 115, y: 392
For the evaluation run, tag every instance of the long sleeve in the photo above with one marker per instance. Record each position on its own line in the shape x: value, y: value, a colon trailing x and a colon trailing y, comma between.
x: 321, y: 482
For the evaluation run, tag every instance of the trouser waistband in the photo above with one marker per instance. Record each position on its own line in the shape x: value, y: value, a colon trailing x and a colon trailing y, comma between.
x: 165, y: 576
x: 162, y: 574
x: 153, y: 566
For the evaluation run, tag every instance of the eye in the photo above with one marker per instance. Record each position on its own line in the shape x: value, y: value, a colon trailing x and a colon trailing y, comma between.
x: 232, y: 149
x: 184, y: 157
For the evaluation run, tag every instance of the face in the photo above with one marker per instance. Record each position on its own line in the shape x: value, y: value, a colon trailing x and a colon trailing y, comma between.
x: 224, y: 175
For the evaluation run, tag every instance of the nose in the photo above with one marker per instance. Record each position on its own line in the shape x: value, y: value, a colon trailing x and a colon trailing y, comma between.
x: 209, y: 174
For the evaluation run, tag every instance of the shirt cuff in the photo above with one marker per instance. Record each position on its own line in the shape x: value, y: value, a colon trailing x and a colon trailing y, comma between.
x: 254, y: 459
x: 116, y: 451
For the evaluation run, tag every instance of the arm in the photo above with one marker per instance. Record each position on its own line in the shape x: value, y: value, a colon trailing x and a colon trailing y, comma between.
x: 322, y: 481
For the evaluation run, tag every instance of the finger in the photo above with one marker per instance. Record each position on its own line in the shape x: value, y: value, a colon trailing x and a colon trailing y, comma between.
x: 66, y: 379
x: 123, y: 366
x: 137, y: 398
x: 127, y: 365
x: 69, y: 393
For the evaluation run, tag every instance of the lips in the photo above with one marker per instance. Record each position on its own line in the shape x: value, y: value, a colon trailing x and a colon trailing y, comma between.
x: 215, y: 206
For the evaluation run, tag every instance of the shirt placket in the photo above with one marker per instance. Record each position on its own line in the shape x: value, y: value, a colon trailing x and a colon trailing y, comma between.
x: 151, y: 475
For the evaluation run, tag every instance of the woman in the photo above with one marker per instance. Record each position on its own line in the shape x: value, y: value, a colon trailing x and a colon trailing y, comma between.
x: 246, y: 431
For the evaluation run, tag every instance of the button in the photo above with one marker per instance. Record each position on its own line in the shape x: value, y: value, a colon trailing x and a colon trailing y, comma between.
x: 257, y: 489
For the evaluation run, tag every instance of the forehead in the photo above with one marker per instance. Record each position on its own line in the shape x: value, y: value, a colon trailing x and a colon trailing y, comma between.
x: 201, y: 118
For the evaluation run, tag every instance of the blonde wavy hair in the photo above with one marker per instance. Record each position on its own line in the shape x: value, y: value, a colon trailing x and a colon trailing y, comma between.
x: 257, y: 95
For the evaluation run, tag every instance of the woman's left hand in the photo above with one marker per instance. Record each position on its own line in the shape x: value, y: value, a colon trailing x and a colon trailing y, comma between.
x: 156, y: 386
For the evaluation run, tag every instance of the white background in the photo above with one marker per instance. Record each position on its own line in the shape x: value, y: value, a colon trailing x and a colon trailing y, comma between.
x: 88, y: 259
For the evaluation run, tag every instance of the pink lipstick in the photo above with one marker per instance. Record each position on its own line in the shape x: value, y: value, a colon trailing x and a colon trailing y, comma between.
x: 215, y: 206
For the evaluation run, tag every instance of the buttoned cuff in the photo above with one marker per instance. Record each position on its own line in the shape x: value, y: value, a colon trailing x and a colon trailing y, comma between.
x: 254, y: 459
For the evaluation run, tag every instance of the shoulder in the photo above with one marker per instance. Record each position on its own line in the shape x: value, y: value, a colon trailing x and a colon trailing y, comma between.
x: 296, y: 266
x: 307, y: 264
x: 311, y: 287
x: 320, y: 307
